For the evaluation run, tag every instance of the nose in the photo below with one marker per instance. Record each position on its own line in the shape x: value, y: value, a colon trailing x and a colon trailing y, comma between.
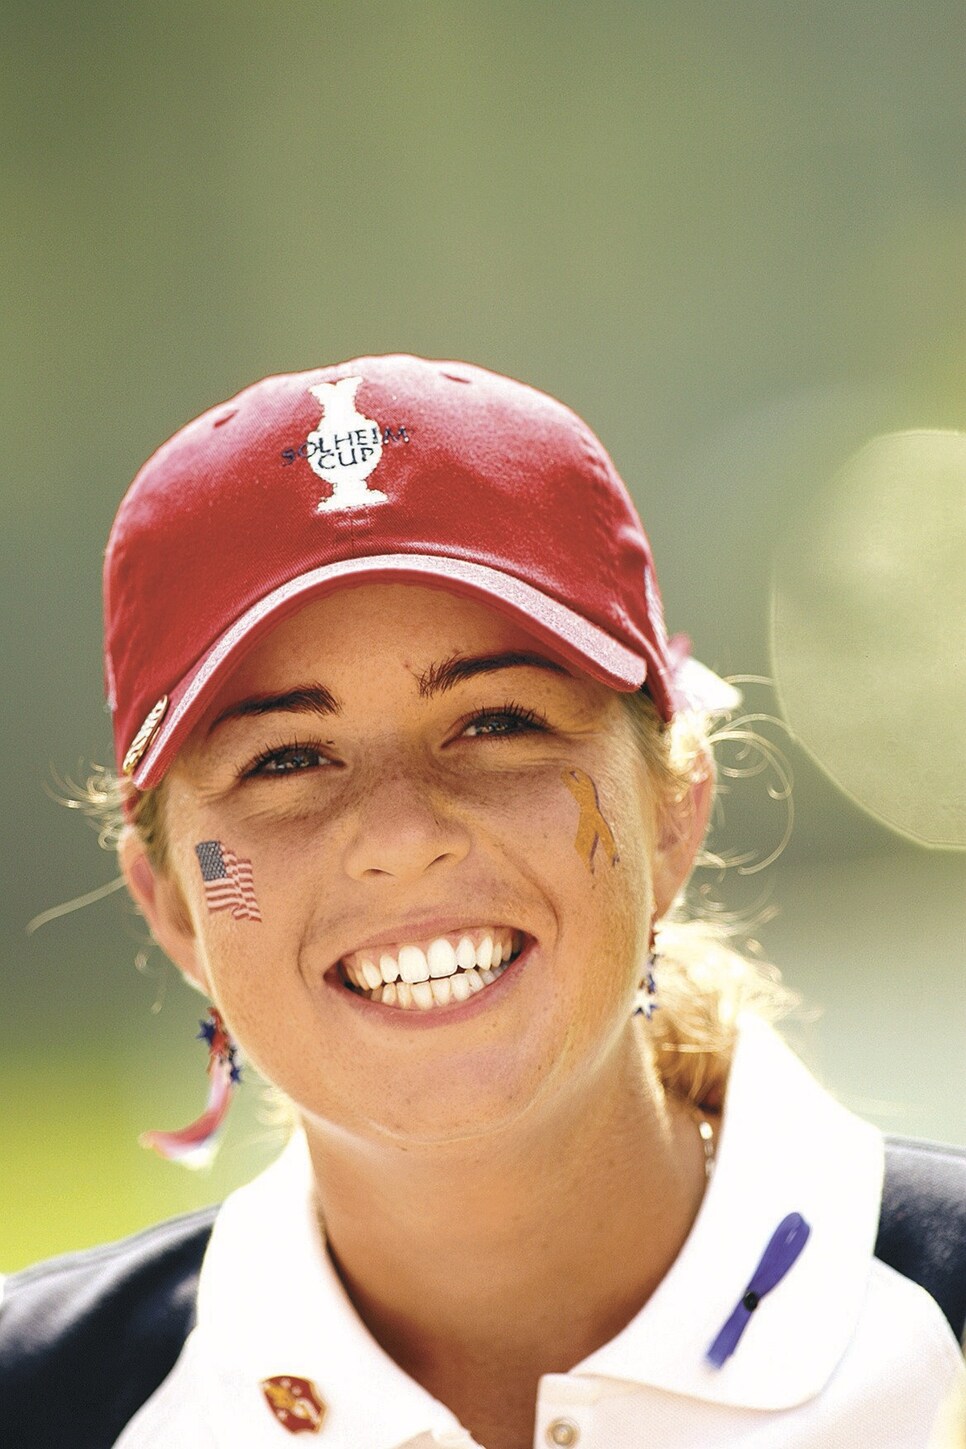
x: 403, y: 826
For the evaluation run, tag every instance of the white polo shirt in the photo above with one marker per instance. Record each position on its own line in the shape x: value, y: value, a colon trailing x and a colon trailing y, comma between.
x: 842, y: 1352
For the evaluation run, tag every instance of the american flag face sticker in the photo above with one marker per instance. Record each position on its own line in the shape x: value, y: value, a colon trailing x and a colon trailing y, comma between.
x: 228, y: 881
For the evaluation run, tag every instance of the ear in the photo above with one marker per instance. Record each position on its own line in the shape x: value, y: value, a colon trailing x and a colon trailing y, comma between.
x: 160, y: 900
x: 681, y: 827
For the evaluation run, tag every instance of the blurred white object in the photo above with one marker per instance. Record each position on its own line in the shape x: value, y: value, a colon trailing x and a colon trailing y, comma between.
x: 868, y: 632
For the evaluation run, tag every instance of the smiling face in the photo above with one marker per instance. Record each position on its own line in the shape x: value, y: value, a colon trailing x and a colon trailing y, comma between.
x: 370, y: 791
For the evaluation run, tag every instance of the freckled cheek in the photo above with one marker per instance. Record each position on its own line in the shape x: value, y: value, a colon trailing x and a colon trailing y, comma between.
x: 244, y: 926
x: 607, y: 876
x: 567, y: 818
x: 255, y: 974
x: 258, y: 861
x: 531, y: 829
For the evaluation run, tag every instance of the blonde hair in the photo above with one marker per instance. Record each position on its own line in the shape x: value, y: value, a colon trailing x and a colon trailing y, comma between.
x: 704, y: 983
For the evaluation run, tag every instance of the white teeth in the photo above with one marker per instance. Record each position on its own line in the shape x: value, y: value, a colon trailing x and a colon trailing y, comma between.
x: 474, y: 960
x: 441, y: 989
x: 437, y: 991
x: 459, y: 986
x: 441, y: 958
x: 413, y: 965
x: 389, y: 967
x: 371, y: 974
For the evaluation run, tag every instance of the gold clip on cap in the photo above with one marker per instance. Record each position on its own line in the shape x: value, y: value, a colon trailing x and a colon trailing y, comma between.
x: 145, y: 735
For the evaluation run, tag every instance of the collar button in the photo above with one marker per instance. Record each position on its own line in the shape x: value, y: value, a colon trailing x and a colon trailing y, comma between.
x: 562, y: 1433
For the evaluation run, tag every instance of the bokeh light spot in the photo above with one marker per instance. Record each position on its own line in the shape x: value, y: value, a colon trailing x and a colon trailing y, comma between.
x: 868, y: 632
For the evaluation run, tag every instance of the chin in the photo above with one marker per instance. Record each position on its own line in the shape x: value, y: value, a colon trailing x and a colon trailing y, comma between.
x: 420, y: 1119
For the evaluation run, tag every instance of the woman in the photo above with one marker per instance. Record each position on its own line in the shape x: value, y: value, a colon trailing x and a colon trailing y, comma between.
x: 413, y: 780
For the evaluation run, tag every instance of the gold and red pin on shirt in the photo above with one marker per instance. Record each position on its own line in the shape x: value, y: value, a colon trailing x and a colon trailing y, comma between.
x: 296, y: 1403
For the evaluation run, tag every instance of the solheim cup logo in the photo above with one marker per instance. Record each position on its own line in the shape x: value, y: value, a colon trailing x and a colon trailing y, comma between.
x: 346, y: 447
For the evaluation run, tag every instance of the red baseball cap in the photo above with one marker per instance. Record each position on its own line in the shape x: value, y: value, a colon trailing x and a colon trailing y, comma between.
x: 379, y: 469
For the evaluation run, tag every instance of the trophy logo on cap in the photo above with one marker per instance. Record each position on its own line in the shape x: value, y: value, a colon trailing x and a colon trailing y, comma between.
x: 346, y: 446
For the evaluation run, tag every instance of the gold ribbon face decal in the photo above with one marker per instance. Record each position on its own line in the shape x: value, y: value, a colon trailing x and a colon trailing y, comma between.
x: 593, y: 829
x: 296, y: 1403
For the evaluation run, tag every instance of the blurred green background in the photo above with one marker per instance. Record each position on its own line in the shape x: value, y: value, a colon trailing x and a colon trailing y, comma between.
x: 730, y: 235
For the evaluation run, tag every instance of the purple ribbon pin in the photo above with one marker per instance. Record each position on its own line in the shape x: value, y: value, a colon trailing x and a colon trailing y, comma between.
x: 784, y: 1246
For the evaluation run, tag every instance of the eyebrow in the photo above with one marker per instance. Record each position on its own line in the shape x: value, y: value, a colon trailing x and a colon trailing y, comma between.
x: 435, y: 680
x: 438, y: 678
x: 308, y: 698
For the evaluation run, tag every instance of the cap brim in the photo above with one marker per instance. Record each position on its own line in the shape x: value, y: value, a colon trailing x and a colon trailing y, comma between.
x: 565, y: 632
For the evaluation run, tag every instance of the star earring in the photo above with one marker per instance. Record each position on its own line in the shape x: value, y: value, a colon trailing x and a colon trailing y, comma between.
x: 194, y: 1145
x: 647, y: 991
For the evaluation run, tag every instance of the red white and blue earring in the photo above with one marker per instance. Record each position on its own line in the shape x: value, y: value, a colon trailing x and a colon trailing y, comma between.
x: 195, y: 1145
x: 647, y: 1002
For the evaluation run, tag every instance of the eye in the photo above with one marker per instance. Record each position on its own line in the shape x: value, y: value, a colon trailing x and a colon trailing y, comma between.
x: 290, y: 759
x: 521, y: 721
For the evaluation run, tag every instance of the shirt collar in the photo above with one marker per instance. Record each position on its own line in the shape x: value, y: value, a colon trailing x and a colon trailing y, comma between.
x: 784, y: 1146
x: 270, y: 1301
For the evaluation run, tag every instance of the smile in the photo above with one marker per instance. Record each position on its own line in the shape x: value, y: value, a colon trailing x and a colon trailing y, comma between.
x: 433, y: 974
